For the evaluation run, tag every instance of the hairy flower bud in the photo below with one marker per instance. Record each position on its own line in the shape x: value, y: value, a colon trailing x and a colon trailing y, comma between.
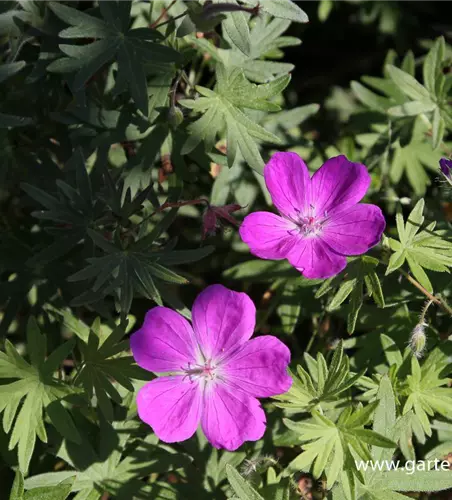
x: 418, y: 339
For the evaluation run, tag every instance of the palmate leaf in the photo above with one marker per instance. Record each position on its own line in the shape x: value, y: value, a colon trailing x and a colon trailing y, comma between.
x: 284, y: 9
x: 38, y: 390
x: 103, y: 361
x: 140, y: 268
x: 389, y: 96
x: 402, y: 149
x: 414, y: 158
x: 404, y: 96
x: 131, y: 48
x: 360, y: 272
x: 58, y: 492
x: 430, y: 98
x: 72, y: 210
x: 266, y: 42
x: 411, y: 113
x: 321, y: 384
x: 427, y: 391
x: 383, y: 483
x: 222, y: 109
x: 329, y: 445
x: 115, y: 465
x: 422, y: 249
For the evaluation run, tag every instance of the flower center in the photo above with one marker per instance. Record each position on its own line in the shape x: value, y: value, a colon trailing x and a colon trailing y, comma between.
x: 204, y: 371
x: 310, y: 226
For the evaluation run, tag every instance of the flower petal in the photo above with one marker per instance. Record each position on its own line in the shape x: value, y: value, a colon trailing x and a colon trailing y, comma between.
x: 338, y: 183
x: 222, y: 320
x: 171, y: 406
x: 287, y: 179
x: 259, y: 367
x: 315, y: 259
x: 354, y: 230
x: 165, y: 342
x: 231, y: 417
x: 268, y: 235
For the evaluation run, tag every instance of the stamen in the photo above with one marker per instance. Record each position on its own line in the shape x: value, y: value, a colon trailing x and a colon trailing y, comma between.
x: 310, y: 224
x: 206, y: 370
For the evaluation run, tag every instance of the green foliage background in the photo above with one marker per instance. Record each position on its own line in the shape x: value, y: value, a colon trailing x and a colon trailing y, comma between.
x: 120, y: 122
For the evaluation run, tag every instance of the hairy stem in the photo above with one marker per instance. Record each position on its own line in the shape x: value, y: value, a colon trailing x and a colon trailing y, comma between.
x: 431, y: 297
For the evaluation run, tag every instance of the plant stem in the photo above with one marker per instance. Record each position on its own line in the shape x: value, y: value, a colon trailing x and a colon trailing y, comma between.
x: 162, y: 15
x: 431, y: 297
x: 166, y: 205
x: 172, y: 19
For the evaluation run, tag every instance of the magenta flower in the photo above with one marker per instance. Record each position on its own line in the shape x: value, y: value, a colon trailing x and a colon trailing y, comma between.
x: 445, y: 165
x: 321, y: 221
x: 216, y: 372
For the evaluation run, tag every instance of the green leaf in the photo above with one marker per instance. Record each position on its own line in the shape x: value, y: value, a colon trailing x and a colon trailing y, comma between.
x: 326, y: 442
x: 373, y: 438
x: 10, y: 121
x: 414, y: 221
x: 384, y: 419
x: 438, y: 128
x: 361, y: 271
x: 131, y: 48
x: 324, y: 384
x: 392, y: 352
x: 285, y: 9
x: 240, y: 486
x: 369, y: 98
x: 103, y: 362
x: 403, y: 480
x: 423, y: 249
x: 37, y: 389
x: 408, y: 84
x: 59, y: 492
x: 413, y: 155
x: 36, y: 343
x: 426, y: 391
x: 10, y: 69
x: 222, y: 108
x: 236, y: 27
x: 432, y: 64
x: 412, y: 108
x: 289, y: 309
x: 17, y: 491
x: 112, y: 463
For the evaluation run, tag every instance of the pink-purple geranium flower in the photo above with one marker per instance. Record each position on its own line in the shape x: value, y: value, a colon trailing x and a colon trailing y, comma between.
x: 321, y: 220
x: 445, y: 165
x: 216, y: 371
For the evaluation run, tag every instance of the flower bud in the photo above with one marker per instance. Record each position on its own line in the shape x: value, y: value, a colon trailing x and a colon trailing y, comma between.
x: 175, y: 117
x: 213, y: 216
x: 418, y: 339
